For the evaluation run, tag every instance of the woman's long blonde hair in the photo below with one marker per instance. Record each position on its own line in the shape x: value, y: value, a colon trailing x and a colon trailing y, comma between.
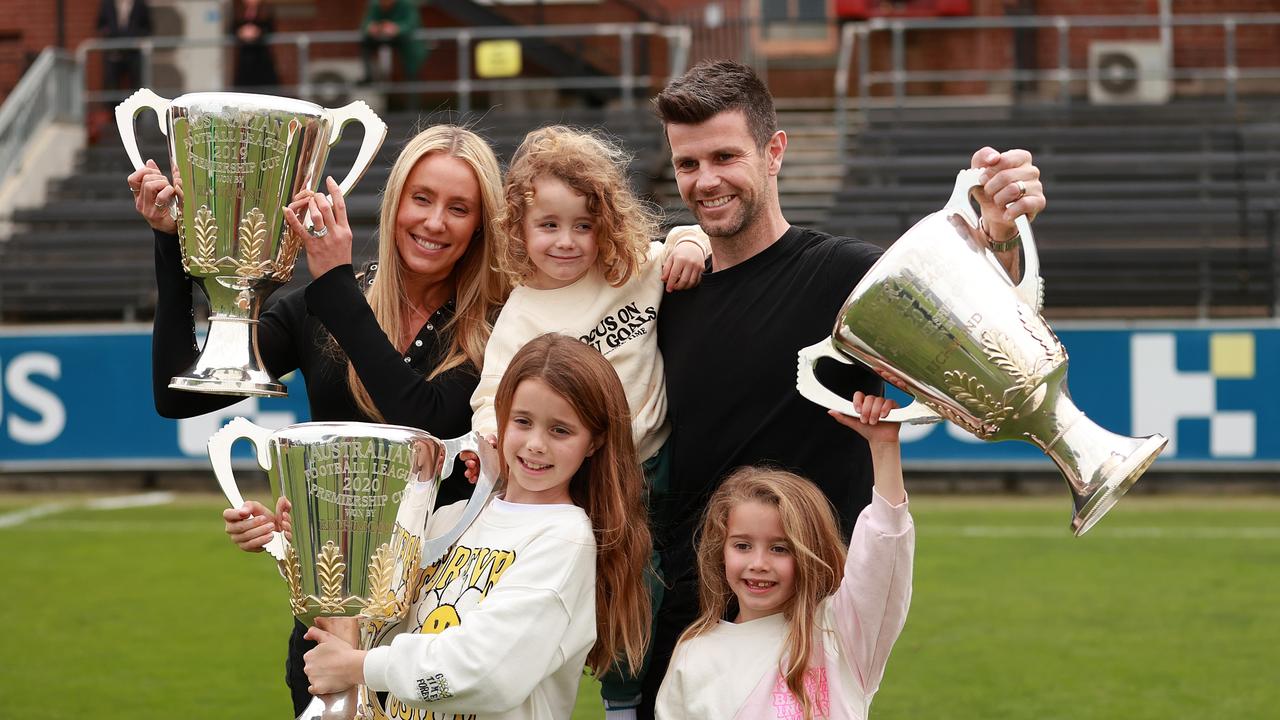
x: 596, y: 168
x: 478, y: 290
x: 809, y: 523
x: 608, y: 486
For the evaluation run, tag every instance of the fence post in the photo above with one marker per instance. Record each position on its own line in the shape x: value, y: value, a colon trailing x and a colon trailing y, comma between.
x: 628, y: 79
x: 1064, y: 59
x: 304, y: 59
x: 464, y: 72
x: 899, y: 63
x: 1230, y: 72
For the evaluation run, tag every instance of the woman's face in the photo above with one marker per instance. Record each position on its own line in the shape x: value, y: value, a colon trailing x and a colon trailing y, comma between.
x: 439, y: 213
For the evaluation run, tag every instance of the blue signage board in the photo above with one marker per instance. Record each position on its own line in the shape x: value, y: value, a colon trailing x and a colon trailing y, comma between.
x: 1200, y: 385
x: 81, y: 398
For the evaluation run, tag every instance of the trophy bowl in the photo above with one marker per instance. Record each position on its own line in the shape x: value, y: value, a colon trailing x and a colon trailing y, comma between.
x: 237, y: 159
x: 939, y: 312
x: 359, y: 496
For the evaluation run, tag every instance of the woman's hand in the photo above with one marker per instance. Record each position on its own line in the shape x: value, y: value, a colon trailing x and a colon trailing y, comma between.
x: 328, y: 242
x: 251, y: 526
x: 153, y: 196
x: 1011, y: 187
x: 871, y: 412
x: 334, y: 664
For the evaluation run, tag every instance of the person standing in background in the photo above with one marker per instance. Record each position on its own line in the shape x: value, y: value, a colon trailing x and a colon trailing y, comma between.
x: 122, y: 69
x: 251, y: 22
x: 392, y: 23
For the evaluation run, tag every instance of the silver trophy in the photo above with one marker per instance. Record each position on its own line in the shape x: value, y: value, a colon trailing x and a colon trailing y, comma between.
x: 237, y: 159
x: 360, y: 495
x: 938, y: 311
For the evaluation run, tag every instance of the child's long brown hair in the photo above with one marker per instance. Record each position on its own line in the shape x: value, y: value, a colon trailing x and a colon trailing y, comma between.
x: 809, y: 523
x: 608, y: 486
x: 594, y: 167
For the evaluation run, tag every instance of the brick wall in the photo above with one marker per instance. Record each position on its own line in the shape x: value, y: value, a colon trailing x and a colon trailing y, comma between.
x: 27, y: 26
x: 1193, y: 46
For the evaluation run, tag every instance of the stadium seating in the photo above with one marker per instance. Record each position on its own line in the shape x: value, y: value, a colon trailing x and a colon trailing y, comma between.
x: 1161, y: 211
x: 1168, y: 211
x: 86, y: 255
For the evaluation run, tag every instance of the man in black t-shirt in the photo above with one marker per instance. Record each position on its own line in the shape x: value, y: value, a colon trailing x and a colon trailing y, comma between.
x: 729, y: 345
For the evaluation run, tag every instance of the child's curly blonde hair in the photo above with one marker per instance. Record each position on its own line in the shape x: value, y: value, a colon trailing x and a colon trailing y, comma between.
x: 595, y: 167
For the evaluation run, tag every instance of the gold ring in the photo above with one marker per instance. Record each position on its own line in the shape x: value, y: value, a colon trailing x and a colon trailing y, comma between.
x: 161, y: 203
x: 1022, y: 188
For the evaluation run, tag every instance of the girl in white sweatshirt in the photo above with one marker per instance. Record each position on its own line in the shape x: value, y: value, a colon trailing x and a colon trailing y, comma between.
x: 549, y: 577
x: 578, y: 251
x: 790, y: 628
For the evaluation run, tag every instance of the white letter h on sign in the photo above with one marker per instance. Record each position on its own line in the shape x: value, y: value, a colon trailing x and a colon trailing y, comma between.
x: 1162, y: 394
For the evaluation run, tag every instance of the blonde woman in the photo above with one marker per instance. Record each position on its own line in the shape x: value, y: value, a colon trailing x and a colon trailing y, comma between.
x: 401, y: 343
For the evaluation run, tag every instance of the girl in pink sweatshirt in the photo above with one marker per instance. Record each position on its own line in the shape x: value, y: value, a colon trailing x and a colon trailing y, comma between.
x: 811, y: 629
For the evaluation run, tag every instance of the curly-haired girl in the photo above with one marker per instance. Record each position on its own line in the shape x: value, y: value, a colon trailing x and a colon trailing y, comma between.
x: 578, y: 249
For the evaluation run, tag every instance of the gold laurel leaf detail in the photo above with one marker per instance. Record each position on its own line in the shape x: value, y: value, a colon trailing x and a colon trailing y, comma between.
x: 382, y: 601
x: 957, y: 418
x: 1005, y: 356
x: 292, y: 569
x: 1042, y: 333
x: 206, y: 237
x: 253, y: 241
x: 290, y: 244
x: 966, y: 390
x: 332, y: 570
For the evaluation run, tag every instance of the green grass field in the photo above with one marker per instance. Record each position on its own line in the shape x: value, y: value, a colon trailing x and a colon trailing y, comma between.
x: 1167, y: 609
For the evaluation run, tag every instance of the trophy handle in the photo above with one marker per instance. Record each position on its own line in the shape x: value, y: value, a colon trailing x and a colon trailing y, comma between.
x: 435, y: 548
x: 375, y: 131
x: 220, y: 457
x: 1031, y: 289
x: 128, y: 110
x: 807, y: 383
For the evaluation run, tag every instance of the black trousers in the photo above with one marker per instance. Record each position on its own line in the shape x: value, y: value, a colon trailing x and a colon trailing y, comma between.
x: 293, y: 668
x: 678, y: 610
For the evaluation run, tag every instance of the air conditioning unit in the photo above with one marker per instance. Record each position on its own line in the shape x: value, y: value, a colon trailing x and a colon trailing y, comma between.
x: 334, y: 81
x: 1128, y: 72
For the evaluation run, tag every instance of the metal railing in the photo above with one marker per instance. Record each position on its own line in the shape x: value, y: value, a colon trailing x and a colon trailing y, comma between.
x: 48, y: 92
x: 859, y: 35
x: 627, y: 80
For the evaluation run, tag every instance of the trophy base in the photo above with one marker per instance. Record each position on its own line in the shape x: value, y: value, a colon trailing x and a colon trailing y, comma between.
x: 1118, y: 481
x: 250, y: 388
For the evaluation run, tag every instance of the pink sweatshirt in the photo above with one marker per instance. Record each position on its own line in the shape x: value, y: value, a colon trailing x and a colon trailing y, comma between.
x: 733, y: 671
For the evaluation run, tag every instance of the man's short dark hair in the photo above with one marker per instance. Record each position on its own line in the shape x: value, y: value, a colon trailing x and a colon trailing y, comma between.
x: 715, y: 86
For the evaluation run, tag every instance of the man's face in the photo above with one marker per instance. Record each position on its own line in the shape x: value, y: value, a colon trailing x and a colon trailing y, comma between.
x: 723, y: 177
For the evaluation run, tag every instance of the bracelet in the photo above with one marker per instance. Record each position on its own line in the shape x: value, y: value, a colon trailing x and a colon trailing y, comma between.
x: 1012, y: 243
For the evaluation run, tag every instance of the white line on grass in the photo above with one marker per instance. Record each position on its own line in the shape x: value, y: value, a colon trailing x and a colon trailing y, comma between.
x: 115, y: 502
x: 1153, y: 533
x: 19, y: 517
x: 130, y: 501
